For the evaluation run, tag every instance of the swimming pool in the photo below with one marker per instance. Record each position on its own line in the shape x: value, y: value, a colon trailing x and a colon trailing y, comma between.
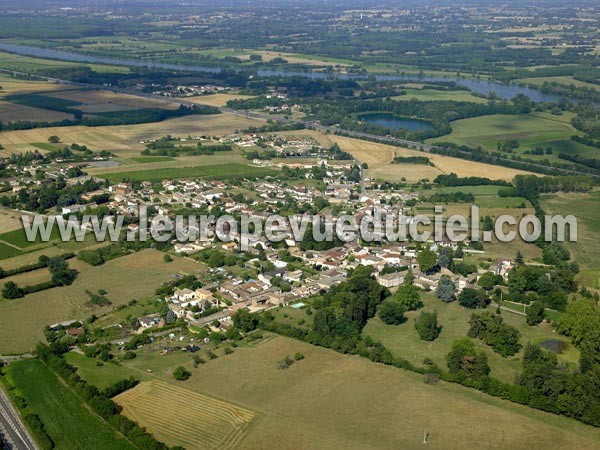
x: 298, y: 305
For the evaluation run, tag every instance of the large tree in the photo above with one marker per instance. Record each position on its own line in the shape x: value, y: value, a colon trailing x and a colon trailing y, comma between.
x: 446, y: 291
x: 391, y: 312
x: 473, y: 298
x: 427, y: 326
x: 427, y: 260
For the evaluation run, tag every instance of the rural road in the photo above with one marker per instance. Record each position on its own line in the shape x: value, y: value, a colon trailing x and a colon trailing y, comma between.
x: 12, y: 427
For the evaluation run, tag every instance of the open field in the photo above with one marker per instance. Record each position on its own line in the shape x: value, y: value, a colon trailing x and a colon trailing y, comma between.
x: 124, y: 139
x: 218, y: 171
x: 379, y: 155
x: 152, y: 159
x: 96, y: 101
x: 434, y: 94
x: 142, y: 163
x: 223, y: 424
x: 216, y: 99
x: 20, y: 63
x: 334, y: 401
x: 568, y: 80
x: 297, y: 58
x: 9, y: 220
x: 13, y: 86
x: 396, y: 172
x: 99, y: 376
x: 585, y: 209
x: 29, y: 278
x: 404, y: 341
x: 68, y: 421
x: 133, y: 276
x: 18, y: 238
x: 23, y: 259
x: 11, y: 112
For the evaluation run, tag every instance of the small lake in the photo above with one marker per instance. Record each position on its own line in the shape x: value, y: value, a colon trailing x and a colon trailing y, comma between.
x: 394, y: 122
x: 555, y: 345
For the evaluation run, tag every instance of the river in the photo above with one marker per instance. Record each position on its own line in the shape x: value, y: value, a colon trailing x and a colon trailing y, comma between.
x: 479, y: 86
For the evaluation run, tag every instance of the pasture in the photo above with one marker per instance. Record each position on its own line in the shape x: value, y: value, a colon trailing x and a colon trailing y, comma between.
x: 567, y: 79
x: 216, y: 171
x: 334, y: 401
x: 404, y: 341
x: 585, y: 209
x: 67, y: 420
x: 425, y: 95
x: 530, y: 130
x: 196, y: 421
x: 130, y: 277
x: 99, y: 376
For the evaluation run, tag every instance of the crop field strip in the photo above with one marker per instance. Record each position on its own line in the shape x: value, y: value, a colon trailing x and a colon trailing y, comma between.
x: 222, y: 171
x: 196, y: 420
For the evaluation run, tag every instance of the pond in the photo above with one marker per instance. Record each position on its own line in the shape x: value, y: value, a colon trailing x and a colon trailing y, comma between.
x: 394, y: 122
x: 555, y: 345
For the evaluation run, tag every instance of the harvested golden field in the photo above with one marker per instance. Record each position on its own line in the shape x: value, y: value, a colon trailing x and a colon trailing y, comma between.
x: 216, y: 99
x: 185, y: 418
x: 103, y: 101
x: 377, y: 155
x: 9, y: 220
x: 396, y: 172
x: 124, y: 139
x: 11, y: 86
x: 293, y: 58
x: 334, y: 401
x: 133, y: 276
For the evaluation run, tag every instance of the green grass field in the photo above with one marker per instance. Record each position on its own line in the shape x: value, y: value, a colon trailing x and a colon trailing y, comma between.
x: 585, y: 251
x: 46, y: 146
x: 425, y: 95
x: 217, y: 171
x: 18, y: 238
x: 68, y: 421
x: 6, y: 251
x: 403, y: 340
x: 531, y: 130
x: 568, y: 80
x: 99, y: 376
x: 152, y: 159
x: 31, y: 64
